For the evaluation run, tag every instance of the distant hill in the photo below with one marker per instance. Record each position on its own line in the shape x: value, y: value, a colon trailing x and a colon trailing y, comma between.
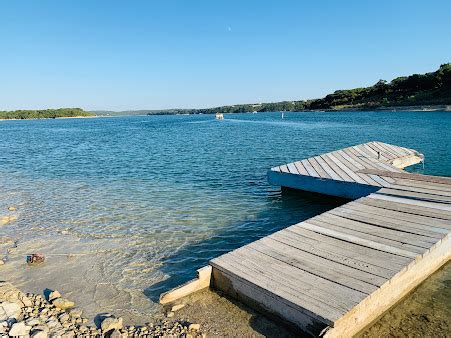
x: 430, y: 89
x: 44, y: 113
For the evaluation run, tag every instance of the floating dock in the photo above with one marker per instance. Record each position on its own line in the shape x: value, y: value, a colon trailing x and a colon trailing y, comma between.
x: 336, y: 273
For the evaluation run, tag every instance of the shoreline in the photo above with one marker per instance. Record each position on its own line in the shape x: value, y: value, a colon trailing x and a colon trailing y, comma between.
x: 49, y: 314
x: 53, y: 118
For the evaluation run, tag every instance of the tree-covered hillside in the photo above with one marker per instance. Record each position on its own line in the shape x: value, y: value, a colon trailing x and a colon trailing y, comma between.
x: 415, y: 90
x: 44, y: 113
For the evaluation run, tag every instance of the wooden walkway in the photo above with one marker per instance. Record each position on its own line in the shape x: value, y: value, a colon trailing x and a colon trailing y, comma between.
x: 351, y: 172
x: 334, y: 274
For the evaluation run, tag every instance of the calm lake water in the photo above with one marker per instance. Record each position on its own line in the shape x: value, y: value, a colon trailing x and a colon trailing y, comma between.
x: 142, y: 202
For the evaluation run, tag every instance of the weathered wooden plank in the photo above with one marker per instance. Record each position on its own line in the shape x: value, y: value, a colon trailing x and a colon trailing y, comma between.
x: 415, y: 195
x: 379, y: 147
x: 354, y: 222
x: 341, y: 274
x: 408, y: 176
x: 423, y: 184
x: 346, y: 169
x: 372, y: 162
x: 292, y: 168
x: 380, y: 155
x: 362, y: 238
x: 309, y: 168
x: 323, y: 297
x: 284, y: 169
x: 331, y: 253
x: 387, y: 228
x: 429, y: 224
x: 258, y: 291
x: 301, y: 169
x: 372, y: 256
x: 397, y: 151
x: 425, y: 190
x: 411, y: 201
x: 318, y: 168
x: 327, y: 168
x: 355, y: 166
x: 336, y: 168
x: 401, y: 206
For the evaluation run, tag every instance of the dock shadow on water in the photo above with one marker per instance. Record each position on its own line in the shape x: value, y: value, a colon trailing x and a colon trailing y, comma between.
x: 286, y: 207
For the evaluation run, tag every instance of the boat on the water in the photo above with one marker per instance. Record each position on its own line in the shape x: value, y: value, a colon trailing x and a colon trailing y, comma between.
x: 219, y: 116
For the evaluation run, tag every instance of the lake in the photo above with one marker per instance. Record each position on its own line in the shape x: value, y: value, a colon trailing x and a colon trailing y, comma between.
x: 141, y: 202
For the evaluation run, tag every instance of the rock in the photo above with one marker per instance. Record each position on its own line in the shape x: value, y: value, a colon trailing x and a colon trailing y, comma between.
x: 52, y: 323
x: 54, y: 295
x: 25, y: 300
x: 10, y: 310
x: 69, y: 333
x: 8, y: 292
x: 12, y: 208
x: 111, y: 323
x: 3, y: 327
x: 116, y: 334
x: 194, y: 327
x: 63, y: 303
x: 39, y: 334
x: 64, y: 317
x: 32, y: 322
x: 76, y: 313
x: 35, y: 259
x: 170, y: 314
x: 177, y: 307
x: 19, y: 329
x: 83, y: 328
x: 2, y: 262
x: 7, y: 219
x: 41, y: 327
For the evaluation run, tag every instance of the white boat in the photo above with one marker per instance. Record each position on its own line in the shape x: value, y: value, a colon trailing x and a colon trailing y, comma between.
x: 219, y: 116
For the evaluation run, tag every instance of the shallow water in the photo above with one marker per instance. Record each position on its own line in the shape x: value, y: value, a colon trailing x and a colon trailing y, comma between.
x: 144, y: 201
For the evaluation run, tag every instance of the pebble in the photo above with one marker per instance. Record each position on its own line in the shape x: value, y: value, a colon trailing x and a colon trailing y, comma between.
x: 194, y: 327
x: 7, y: 219
x: 110, y: 323
x: 177, y: 307
x: 54, y: 295
x: 10, y: 310
x: 19, y: 329
x: 76, y: 313
x: 25, y: 314
x: 32, y: 321
x: 39, y: 334
x: 63, y: 303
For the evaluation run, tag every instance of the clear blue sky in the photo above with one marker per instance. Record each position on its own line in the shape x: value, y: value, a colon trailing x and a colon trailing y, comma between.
x: 118, y: 55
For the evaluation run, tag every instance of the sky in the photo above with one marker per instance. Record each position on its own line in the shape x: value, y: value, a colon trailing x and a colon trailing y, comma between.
x: 126, y: 55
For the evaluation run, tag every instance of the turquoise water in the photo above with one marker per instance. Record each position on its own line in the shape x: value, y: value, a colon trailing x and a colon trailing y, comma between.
x: 144, y: 201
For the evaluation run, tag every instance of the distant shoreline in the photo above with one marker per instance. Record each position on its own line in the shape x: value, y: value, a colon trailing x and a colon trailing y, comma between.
x: 54, y: 118
x: 422, y: 108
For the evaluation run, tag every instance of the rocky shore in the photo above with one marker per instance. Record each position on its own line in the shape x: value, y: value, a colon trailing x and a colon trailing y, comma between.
x: 52, y: 315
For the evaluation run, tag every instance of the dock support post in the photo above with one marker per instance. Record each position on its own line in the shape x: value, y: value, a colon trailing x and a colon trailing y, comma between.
x: 201, y: 282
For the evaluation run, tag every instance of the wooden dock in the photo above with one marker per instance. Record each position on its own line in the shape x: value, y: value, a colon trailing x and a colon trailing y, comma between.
x: 351, y: 172
x: 336, y: 273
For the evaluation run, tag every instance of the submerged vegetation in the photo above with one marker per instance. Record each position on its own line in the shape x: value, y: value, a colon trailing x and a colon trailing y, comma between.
x: 44, y: 113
